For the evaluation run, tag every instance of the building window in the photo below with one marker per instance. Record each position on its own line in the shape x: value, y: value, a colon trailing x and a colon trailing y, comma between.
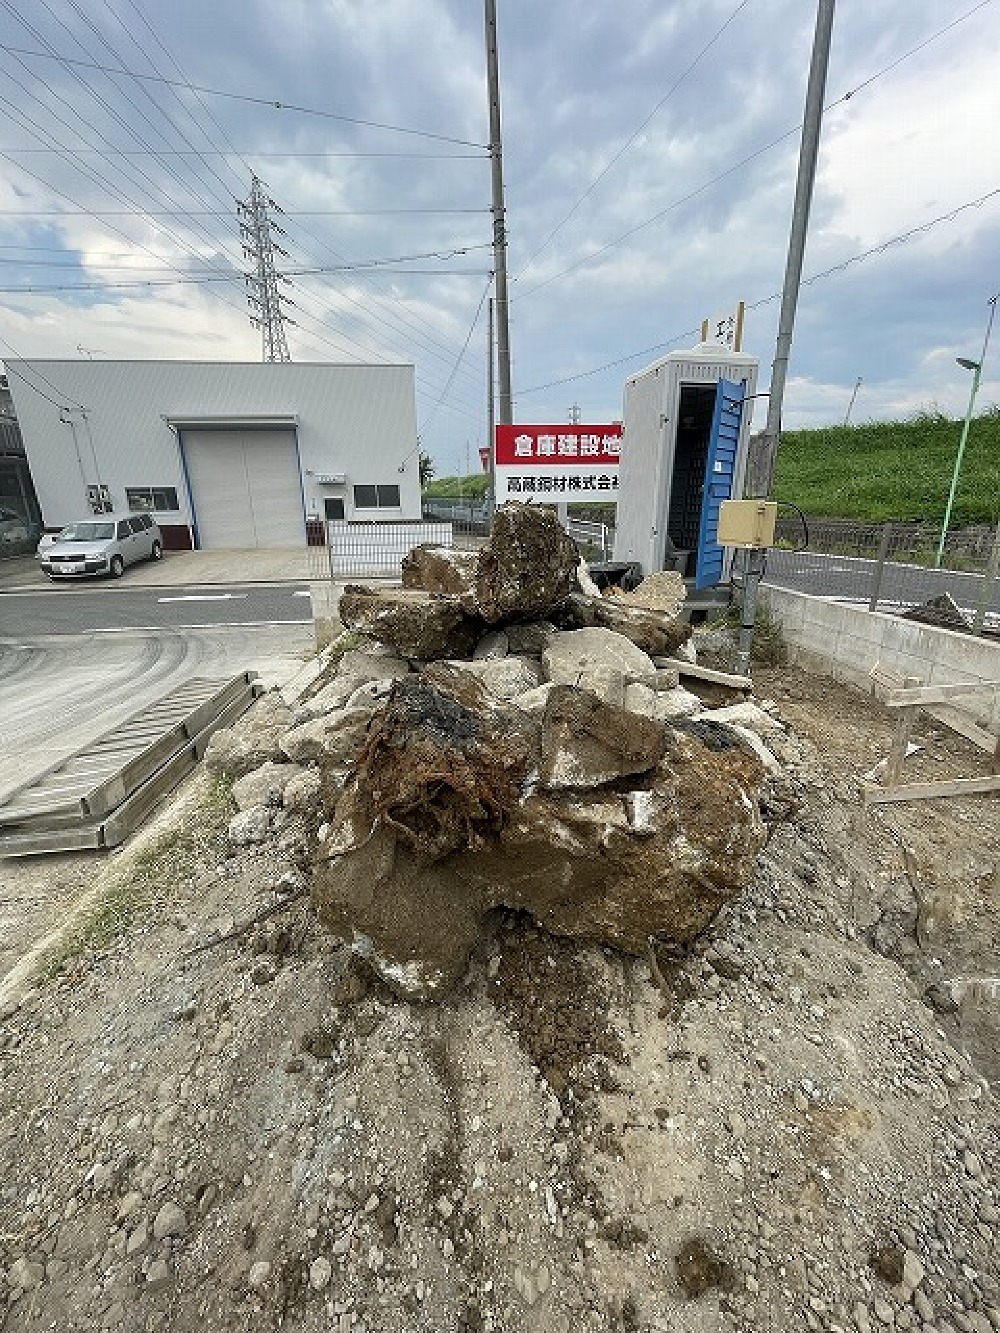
x: 376, y: 497
x: 158, y: 498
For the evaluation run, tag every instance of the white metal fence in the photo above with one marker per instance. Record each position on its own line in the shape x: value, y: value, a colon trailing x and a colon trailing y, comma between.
x: 373, y: 550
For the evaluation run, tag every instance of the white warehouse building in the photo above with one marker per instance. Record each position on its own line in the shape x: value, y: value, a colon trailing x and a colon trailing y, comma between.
x: 225, y: 455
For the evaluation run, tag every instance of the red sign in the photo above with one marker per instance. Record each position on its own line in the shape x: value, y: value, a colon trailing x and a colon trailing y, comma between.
x: 559, y: 446
x: 567, y: 464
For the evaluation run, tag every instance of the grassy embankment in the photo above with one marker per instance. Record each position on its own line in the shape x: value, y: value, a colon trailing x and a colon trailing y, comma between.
x: 893, y: 470
x: 875, y: 470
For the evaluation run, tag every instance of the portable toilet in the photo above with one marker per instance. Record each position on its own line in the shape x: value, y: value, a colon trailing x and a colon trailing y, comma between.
x: 684, y: 451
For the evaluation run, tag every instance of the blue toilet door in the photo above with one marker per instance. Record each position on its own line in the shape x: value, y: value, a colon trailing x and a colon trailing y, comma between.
x: 720, y: 469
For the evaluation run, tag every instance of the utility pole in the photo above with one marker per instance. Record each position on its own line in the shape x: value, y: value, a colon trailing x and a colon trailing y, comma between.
x: 506, y: 406
x: 808, y: 153
x: 491, y: 417
x: 264, y: 296
x: 762, y: 479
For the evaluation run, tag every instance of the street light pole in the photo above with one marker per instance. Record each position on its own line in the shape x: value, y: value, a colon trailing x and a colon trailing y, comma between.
x: 977, y: 370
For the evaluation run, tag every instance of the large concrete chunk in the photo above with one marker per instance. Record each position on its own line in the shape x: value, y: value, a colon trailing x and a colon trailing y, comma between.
x: 265, y: 785
x: 233, y: 751
x: 505, y: 677
x: 574, y: 657
x: 336, y: 736
x: 655, y: 632
x: 587, y: 743
x: 527, y: 566
x: 663, y: 591
x: 439, y: 569
x: 418, y: 625
x: 446, y: 817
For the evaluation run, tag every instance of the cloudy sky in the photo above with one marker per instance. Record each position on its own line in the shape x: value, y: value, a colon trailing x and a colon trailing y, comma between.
x: 650, y: 152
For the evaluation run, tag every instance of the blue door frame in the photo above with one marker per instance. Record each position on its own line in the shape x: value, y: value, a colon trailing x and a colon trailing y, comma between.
x: 720, y: 469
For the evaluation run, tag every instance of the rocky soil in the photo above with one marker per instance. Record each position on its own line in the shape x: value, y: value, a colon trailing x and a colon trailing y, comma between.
x: 212, y: 1118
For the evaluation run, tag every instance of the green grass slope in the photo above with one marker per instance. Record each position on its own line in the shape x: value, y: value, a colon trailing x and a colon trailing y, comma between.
x: 893, y: 470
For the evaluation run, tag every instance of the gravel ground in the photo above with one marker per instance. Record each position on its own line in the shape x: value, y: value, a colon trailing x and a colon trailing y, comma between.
x: 211, y: 1119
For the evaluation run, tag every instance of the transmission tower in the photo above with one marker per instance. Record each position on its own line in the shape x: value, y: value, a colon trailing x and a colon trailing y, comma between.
x: 264, y: 295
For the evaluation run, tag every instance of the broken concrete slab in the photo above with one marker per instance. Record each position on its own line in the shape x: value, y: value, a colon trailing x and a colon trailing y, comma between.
x: 529, y: 638
x: 663, y: 705
x: 655, y: 632
x: 573, y: 657
x: 505, y: 677
x: 265, y: 785
x: 232, y: 752
x: 443, y: 761
x: 663, y: 591
x: 586, y: 743
x: 442, y: 569
x: 336, y: 737
x: 526, y: 567
x: 420, y: 626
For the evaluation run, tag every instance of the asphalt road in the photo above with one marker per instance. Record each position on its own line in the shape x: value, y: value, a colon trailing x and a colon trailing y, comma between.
x: 850, y: 578
x: 109, y: 609
x: 74, y: 663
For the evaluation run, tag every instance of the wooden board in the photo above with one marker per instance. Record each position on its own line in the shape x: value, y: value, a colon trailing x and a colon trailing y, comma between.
x: 917, y: 791
x: 705, y: 673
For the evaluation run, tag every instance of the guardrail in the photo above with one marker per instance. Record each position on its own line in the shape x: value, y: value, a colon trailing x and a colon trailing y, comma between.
x: 890, y: 566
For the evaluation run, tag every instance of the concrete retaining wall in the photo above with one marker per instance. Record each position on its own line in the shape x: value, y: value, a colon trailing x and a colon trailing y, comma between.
x: 846, y: 642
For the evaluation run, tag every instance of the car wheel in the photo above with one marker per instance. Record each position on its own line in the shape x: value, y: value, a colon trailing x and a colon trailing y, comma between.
x: 157, y: 552
x: 117, y: 567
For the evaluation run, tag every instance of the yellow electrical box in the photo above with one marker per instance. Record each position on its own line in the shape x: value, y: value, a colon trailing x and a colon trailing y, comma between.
x: 747, y: 523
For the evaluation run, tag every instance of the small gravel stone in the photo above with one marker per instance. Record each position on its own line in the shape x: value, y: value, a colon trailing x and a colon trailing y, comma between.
x: 158, y: 1275
x: 258, y: 1274
x: 169, y: 1221
x: 320, y: 1272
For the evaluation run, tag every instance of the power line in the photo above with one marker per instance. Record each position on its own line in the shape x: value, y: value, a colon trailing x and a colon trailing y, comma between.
x: 465, y: 347
x: 290, y: 155
x: 632, y: 138
x: 396, y: 312
x: 900, y: 239
x: 223, y: 213
x: 420, y: 328
x: 37, y: 374
x: 21, y: 51
x: 759, y: 152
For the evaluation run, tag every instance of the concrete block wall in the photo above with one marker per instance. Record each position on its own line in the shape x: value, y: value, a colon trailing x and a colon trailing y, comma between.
x: 846, y: 642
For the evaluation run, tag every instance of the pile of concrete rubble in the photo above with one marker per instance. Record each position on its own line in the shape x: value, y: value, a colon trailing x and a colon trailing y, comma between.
x: 498, y: 734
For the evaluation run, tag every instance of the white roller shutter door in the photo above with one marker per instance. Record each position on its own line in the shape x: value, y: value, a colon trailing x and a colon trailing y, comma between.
x: 245, y: 487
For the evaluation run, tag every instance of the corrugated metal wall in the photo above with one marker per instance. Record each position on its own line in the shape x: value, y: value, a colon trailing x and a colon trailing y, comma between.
x: 113, y: 428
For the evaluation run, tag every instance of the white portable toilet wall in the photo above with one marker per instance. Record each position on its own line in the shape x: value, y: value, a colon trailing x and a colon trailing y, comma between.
x: 662, y: 477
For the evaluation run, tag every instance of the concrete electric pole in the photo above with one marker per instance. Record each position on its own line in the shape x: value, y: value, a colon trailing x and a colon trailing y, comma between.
x: 264, y: 296
x: 505, y: 414
x: 763, y: 473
